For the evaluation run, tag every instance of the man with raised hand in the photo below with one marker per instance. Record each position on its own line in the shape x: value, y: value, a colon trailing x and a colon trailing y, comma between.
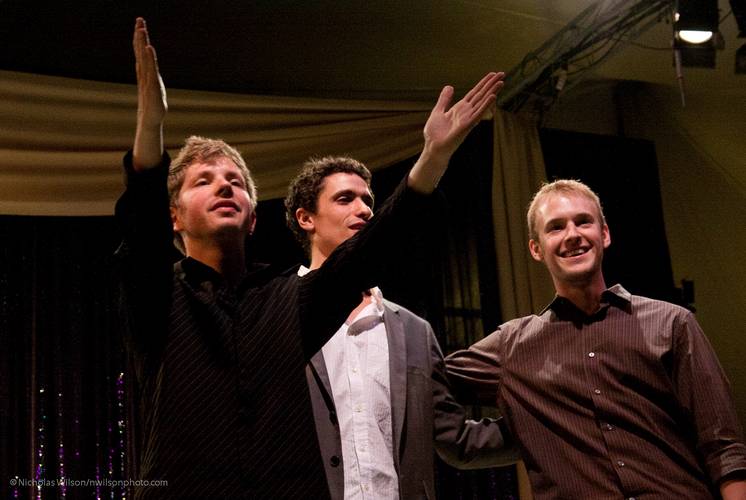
x: 607, y: 394
x: 378, y: 386
x: 219, y: 346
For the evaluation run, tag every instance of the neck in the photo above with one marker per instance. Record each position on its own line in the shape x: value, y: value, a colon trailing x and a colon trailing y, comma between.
x: 318, y: 257
x: 230, y: 263
x: 585, y: 296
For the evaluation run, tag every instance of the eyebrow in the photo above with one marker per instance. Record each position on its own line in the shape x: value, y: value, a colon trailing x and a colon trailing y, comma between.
x: 367, y: 196
x: 581, y: 215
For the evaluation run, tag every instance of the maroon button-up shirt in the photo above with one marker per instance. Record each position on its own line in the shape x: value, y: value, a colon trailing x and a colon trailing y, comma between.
x: 628, y: 402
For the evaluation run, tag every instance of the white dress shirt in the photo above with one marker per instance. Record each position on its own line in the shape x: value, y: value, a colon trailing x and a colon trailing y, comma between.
x: 357, y: 360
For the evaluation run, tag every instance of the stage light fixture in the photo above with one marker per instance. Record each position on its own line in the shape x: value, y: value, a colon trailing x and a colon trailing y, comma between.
x: 696, y: 35
x: 695, y: 21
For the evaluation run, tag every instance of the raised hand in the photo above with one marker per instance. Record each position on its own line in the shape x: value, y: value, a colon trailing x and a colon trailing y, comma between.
x: 448, y: 126
x: 151, y: 101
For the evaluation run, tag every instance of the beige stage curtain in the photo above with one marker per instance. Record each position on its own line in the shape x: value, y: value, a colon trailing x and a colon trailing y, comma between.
x: 61, y: 143
x: 62, y: 140
x: 518, y: 172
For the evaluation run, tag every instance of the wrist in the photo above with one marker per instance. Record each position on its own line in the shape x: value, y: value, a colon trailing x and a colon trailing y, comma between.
x: 427, y: 171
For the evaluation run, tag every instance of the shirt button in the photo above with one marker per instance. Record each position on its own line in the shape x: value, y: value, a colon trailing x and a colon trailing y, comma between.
x: 334, y: 461
x: 631, y: 498
x: 597, y: 391
x: 591, y: 354
x: 608, y: 427
x: 620, y: 463
x: 358, y: 408
x: 354, y: 369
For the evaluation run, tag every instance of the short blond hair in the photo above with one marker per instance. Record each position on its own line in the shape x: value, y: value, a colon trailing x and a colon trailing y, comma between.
x: 565, y: 186
x: 201, y: 149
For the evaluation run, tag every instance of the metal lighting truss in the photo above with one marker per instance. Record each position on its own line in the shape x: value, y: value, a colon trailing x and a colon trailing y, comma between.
x: 585, y: 42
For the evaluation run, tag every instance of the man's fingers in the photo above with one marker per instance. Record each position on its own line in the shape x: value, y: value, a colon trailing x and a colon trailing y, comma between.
x: 480, y: 86
x: 486, y: 86
x: 479, y: 110
x: 444, y: 99
x: 152, y: 58
x: 488, y: 98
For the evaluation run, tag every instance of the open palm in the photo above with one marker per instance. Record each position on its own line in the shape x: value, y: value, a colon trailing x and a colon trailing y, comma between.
x: 447, y: 127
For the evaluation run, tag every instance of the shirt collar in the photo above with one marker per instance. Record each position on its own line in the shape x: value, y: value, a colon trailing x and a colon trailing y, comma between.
x: 614, y: 296
x: 198, y: 273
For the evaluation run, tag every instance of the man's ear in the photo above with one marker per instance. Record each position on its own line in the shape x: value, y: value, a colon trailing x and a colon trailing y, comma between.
x: 535, y: 248
x: 175, y: 220
x: 305, y: 219
x: 607, y: 236
x: 252, y: 224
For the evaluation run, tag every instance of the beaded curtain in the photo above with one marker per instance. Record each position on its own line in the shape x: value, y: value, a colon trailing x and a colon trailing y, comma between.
x: 62, y: 400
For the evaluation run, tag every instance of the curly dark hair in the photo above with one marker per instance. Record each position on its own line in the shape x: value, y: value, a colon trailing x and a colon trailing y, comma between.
x: 304, y: 190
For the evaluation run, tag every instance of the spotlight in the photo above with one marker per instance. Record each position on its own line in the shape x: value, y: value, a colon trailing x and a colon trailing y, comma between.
x: 696, y: 20
x: 696, y: 33
x: 695, y: 37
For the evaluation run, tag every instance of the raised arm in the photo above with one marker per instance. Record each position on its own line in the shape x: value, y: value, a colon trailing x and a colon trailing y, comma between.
x: 447, y: 127
x: 151, y: 102
x: 329, y: 293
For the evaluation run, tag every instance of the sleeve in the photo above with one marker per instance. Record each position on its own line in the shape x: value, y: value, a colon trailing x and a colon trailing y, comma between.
x: 328, y: 294
x: 704, y: 393
x: 474, y: 373
x: 462, y: 442
x: 145, y: 256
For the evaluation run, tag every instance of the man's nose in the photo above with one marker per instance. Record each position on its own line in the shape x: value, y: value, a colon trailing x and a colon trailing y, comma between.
x: 363, y: 210
x: 571, y: 231
x: 225, y: 188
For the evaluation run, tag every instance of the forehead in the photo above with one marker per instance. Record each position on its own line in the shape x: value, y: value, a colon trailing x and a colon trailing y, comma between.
x: 217, y: 163
x: 565, y: 205
x: 343, y: 181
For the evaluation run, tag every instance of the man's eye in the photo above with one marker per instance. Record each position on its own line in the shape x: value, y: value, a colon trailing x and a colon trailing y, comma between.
x: 237, y: 182
x: 201, y: 182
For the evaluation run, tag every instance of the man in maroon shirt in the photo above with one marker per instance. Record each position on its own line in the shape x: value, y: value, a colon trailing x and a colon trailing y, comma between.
x: 608, y: 395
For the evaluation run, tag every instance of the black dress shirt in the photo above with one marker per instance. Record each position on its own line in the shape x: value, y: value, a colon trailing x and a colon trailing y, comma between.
x: 219, y: 369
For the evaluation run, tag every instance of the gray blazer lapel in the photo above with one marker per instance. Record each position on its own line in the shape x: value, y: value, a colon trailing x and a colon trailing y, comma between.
x: 397, y: 371
x: 319, y: 364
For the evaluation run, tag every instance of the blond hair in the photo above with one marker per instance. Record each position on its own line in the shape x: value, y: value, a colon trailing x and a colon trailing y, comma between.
x: 564, y: 186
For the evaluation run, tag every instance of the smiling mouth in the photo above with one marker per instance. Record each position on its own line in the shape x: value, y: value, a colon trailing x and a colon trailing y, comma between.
x: 574, y: 252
